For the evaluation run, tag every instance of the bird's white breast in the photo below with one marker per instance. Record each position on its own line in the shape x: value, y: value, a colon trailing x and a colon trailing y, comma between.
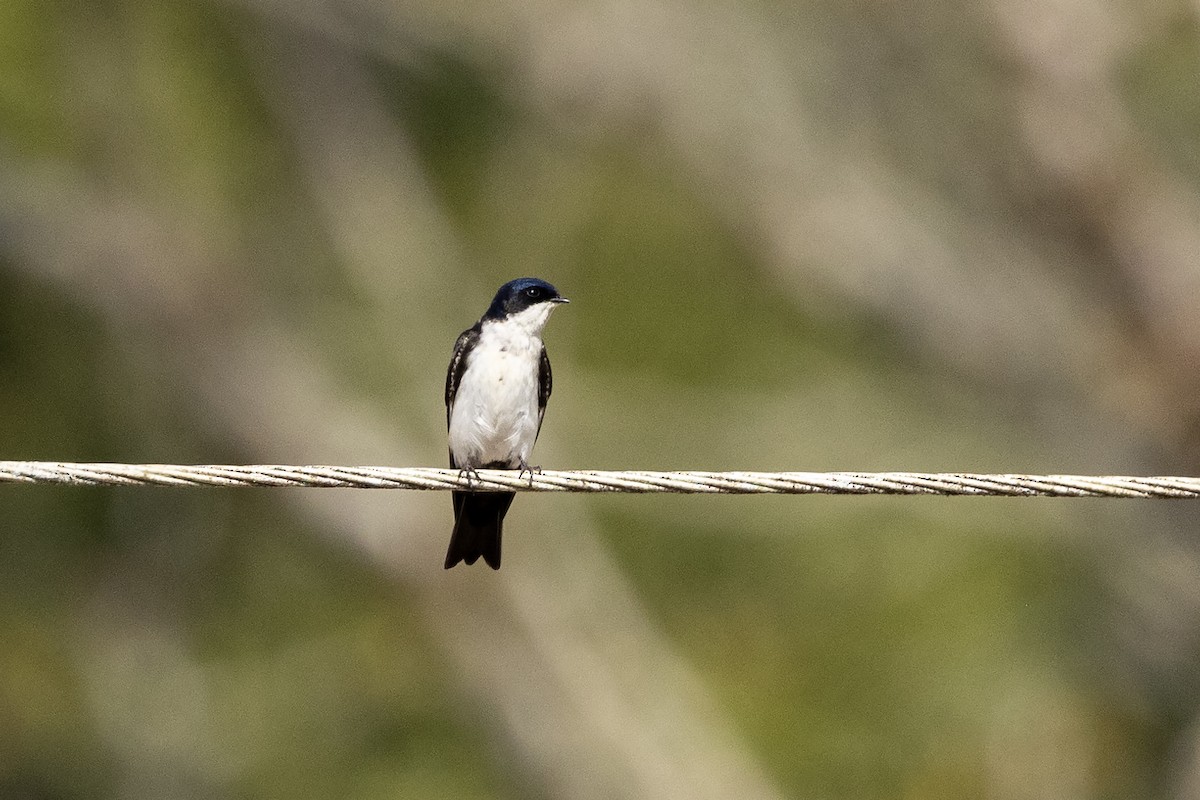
x: 494, y: 416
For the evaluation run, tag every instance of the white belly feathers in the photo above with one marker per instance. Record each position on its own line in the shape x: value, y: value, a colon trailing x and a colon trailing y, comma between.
x: 494, y: 416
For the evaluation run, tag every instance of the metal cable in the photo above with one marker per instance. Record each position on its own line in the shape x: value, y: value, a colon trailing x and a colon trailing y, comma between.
x: 632, y: 481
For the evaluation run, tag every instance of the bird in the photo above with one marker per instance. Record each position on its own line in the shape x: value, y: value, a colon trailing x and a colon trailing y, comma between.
x: 497, y: 386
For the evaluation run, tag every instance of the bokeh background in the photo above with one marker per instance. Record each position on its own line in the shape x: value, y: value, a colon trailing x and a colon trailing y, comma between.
x: 915, y: 235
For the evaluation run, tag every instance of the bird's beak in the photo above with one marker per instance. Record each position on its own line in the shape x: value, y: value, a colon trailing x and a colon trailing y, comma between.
x: 561, y: 300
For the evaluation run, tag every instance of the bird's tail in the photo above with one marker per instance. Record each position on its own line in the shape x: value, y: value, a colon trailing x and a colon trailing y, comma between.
x: 478, y: 523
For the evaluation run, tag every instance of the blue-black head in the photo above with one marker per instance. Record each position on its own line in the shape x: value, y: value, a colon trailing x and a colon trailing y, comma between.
x: 516, y: 296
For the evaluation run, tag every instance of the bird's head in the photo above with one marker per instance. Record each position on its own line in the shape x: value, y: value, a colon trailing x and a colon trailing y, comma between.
x: 523, y: 295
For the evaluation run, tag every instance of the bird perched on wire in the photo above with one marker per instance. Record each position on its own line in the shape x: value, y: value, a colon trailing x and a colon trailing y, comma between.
x: 496, y: 392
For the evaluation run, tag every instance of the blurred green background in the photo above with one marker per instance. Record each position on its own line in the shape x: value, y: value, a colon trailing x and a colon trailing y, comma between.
x: 915, y: 235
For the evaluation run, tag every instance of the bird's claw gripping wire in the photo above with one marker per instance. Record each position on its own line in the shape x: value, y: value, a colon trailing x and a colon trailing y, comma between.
x: 531, y: 470
x: 471, y: 476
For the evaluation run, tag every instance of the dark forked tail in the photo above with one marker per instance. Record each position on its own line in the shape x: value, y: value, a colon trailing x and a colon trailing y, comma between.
x: 478, y: 523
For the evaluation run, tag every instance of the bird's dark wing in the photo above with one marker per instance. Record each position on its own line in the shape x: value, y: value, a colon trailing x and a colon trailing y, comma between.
x: 545, y: 382
x: 458, y: 365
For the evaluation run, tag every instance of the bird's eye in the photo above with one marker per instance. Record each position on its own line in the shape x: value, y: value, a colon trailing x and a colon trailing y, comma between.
x: 534, y: 292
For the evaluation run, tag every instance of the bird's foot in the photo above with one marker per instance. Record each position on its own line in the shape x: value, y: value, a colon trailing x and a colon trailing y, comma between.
x: 526, y: 468
x: 470, y: 475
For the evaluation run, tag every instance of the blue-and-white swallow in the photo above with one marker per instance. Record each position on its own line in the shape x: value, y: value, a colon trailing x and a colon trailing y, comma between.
x: 496, y: 392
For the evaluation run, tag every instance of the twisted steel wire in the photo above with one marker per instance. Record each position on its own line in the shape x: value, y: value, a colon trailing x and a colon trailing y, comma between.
x: 630, y: 481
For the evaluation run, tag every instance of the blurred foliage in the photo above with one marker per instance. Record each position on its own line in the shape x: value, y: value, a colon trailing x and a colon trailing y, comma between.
x: 232, y: 644
x: 314, y: 679
x: 1158, y: 82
